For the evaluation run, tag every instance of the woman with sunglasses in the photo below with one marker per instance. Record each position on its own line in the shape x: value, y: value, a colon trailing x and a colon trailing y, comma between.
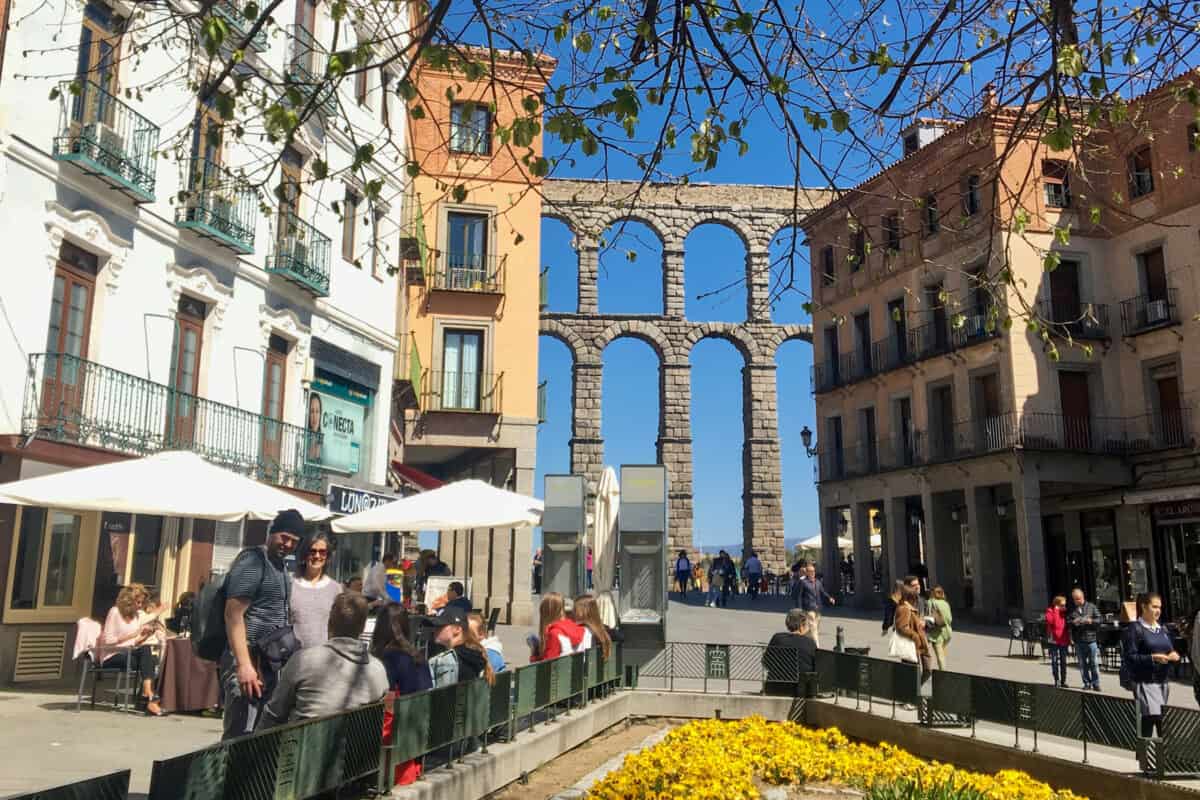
x: 313, y: 591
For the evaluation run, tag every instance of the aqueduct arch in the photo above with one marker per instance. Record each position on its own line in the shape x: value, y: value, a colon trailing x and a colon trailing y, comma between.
x: 754, y: 213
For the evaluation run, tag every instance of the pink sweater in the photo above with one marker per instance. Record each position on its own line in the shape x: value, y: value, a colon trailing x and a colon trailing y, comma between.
x: 117, y: 632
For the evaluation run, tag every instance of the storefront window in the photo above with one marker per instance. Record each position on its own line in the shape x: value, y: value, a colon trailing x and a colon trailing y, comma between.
x: 147, y: 543
x: 29, y: 558
x: 1100, y: 543
x: 64, y: 552
x: 1183, y: 564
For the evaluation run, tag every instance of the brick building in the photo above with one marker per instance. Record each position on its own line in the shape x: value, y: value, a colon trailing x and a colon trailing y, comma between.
x: 1012, y: 464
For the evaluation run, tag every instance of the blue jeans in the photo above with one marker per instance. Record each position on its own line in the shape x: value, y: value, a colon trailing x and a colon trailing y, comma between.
x: 713, y: 594
x: 1058, y: 663
x: 1088, y: 654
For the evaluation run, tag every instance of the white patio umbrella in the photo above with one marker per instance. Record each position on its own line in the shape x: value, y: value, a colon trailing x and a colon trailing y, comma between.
x: 814, y: 543
x: 458, y: 506
x: 175, y: 483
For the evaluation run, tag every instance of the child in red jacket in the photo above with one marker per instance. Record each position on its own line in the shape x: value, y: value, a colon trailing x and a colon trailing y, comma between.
x: 1058, y: 639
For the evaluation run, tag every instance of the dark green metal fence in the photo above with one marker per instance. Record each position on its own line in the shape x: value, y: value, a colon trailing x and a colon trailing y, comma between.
x: 113, y: 786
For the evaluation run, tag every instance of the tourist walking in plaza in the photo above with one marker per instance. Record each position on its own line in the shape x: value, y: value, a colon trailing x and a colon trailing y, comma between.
x: 375, y: 585
x: 1082, y: 617
x: 889, y: 605
x: 754, y: 572
x: 683, y: 572
x: 537, y: 571
x: 337, y: 675
x: 729, y: 578
x: 909, y: 624
x: 939, y: 632
x: 257, y: 609
x: 1146, y: 663
x: 1058, y: 639
x: 313, y: 592
x: 716, y: 577
x: 124, y: 643
x: 811, y: 594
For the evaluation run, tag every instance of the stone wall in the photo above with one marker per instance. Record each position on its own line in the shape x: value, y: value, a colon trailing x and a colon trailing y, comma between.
x: 756, y: 214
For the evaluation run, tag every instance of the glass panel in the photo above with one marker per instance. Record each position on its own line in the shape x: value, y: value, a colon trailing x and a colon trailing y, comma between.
x: 1106, y: 578
x: 60, y: 565
x: 274, y: 390
x: 452, y: 367
x: 29, y: 558
x: 56, y: 305
x: 187, y: 366
x: 76, y: 320
x: 470, y: 370
x: 147, y: 542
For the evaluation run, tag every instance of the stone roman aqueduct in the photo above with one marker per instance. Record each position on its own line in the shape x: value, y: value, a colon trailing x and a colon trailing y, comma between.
x: 756, y: 214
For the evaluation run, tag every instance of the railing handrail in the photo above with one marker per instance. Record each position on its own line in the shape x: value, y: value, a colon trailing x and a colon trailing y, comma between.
x: 294, y: 222
x: 78, y: 87
x: 490, y: 386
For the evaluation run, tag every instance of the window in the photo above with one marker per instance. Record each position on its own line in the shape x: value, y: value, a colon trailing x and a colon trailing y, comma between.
x: 933, y: 222
x: 828, y: 271
x: 147, y: 544
x: 859, y: 254
x: 1056, y: 177
x: 466, y: 249
x: 185, y: 369
x: 291, y: 164
x: 97, y: 65
x: 378, y: 263
x: 1141, y: 173
x: 462, y: 365
x: 360, y: 88
x: 891, y: 232
x: 206, y: 141
x: 47, y: 553
x: 912, y: 143
x: 470, y: 129
x: 1193, y: 136
x: 349, y: 224
x: 970, y: 193
x: 385, y: 86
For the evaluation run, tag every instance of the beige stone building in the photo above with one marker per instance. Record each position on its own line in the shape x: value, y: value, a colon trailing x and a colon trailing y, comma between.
x: 1013, y: 464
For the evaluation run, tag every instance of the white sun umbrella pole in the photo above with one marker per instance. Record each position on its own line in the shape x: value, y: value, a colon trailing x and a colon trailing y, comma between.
x: 604, y: 549
x: 175, y: 483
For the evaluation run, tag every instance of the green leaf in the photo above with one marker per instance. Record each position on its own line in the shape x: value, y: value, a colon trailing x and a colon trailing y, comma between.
x: 417, y: 112
x: 1063, y: 235
x: 320, y: 169
x: 459, y: 193
x: 1051, y: 261
x: 540, y: 167
x: 840, y: 120
x: 1094, y: 214
x: 250, y: 11
x: 1070, y: 61
x: 1060, y: 137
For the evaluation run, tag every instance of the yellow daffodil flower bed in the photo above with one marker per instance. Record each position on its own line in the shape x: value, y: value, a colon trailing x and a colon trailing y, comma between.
x: 715, y: 760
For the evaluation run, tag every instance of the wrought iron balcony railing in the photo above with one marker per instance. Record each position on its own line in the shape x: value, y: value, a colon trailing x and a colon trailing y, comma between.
x: 1142, y: 313
x: 459, y: 272
x: 219, y: 205
x: 69, y: 399
x: 974, y: 328
x: 1111, y: 436
x: 451, y: 390
x: 306, y: 67
x: 234, y: 13
x: 301, y: 255
x: 106, y: 138
x: 1077, y: 319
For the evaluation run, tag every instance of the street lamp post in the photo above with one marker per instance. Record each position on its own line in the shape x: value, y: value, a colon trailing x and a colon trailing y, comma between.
x: 806, y: 437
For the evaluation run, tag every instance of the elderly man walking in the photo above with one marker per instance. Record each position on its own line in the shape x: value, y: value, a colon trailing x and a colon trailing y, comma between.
x: 811, y: 593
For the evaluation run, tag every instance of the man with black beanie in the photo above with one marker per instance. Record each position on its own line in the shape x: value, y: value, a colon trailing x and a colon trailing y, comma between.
x: 257, y: 594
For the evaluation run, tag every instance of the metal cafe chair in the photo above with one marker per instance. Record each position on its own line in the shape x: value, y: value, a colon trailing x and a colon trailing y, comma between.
x: 86, y: 637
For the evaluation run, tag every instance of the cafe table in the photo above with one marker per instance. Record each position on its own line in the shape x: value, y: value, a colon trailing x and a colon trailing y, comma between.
x: 186, y: 682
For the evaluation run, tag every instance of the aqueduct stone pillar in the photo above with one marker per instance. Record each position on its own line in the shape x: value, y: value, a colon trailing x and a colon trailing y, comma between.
x: 587, y: 446
x: 762, y: 483
x: 675, y: 448
x: 756, y: 214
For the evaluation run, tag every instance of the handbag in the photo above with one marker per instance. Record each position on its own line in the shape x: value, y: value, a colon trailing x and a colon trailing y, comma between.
x: 901, y: 647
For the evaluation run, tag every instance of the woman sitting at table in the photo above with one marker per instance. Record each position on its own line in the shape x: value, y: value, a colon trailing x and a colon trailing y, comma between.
x: 124, y: 628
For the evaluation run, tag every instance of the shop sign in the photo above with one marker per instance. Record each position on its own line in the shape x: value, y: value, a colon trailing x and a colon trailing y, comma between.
x: 1184, y: 509
x: 336, y: 416
x: 348, y: 500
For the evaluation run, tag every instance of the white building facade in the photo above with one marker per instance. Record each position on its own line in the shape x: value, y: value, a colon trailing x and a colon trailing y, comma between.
x: 156, y: 298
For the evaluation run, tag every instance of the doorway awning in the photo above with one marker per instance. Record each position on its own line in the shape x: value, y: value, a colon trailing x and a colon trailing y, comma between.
x: 1172, y: 494
x: 420, y: 480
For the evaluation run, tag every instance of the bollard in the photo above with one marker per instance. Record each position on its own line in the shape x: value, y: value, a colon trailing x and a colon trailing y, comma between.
x: 840, y: 645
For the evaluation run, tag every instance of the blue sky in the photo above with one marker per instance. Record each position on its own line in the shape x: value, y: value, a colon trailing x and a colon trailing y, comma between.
x: 714, y: 256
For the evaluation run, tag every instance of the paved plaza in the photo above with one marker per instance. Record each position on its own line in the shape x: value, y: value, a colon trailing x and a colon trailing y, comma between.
x: 44, y: 741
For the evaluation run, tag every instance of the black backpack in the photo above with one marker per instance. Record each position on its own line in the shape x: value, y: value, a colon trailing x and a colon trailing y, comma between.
x: 209, y: 638
x: 1130, y: 644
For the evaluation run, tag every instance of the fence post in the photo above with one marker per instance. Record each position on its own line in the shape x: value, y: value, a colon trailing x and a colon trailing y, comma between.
x: 840, y: 644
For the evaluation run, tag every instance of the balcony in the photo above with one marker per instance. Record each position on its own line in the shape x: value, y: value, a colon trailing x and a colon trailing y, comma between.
x: 468, y: 392
x: 306, y: 66
x: 414, y: 250
x: 234, y: 14
x: 827, y: 376
x: 1108, y: 436
x: 68, y: 399
x: 891, y: 353
x: 1078, y: 320
x: 1142, y: 314
x: 408, y: 381
x: 301, y: 255
x: 458, y: 272
x: 219, y: 206
x: 974, y: 329
x: 106, y: 138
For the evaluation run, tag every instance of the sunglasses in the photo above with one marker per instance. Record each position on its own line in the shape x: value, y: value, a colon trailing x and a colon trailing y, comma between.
x: 322, y: 553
